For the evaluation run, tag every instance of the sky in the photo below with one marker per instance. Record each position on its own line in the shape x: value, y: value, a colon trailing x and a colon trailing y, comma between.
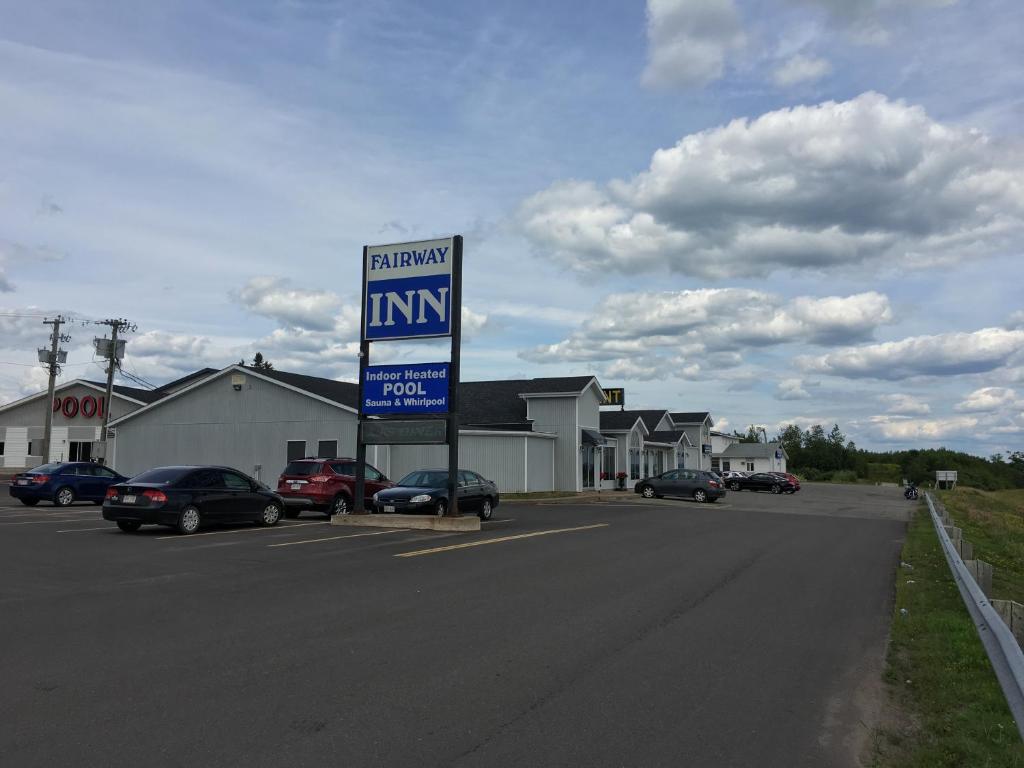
x: 779, y: 211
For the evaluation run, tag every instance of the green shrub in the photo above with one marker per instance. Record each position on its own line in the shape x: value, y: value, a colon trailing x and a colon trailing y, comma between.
x: 880, y: 472
x: 844, y: 476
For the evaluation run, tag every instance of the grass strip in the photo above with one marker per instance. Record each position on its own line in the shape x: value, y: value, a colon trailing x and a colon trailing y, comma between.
x: 993, y: 521
x: 946, y: 707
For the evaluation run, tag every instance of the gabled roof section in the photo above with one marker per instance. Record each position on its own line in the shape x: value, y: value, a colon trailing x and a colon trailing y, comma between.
x: 753, y: 451
x: 174, y: 386
x: 672, y: 436
x: 621, y: 421
x: 127, y: 393
x: 692, y: 417
x: 325, y: 390
x: 491, y: 403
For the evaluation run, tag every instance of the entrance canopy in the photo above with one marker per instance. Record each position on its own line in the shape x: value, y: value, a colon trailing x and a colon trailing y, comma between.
x: 592, y: 437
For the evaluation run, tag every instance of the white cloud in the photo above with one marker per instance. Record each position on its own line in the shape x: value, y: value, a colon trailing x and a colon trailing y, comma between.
x: 277, y: 299
x: 689, y: 40
x: 987, y: 400
x: 812, y: 187
x: 12, y: 252
x: 801, y: 69
x: 792, y: 389
x: 708, y: 326
x: 867, y: 21
x: 924, y: 430
x: 906, y: 405
x: 946, y: 354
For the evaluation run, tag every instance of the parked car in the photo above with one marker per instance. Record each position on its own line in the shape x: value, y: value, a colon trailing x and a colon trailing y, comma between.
x: 762, y: 481
x: 64, y: 483
x: 792, y: 478
x: 326, y: 485
x: 731, y: 473
x: 700, y: 485
x: 425, y: 491
x: 186, y: 498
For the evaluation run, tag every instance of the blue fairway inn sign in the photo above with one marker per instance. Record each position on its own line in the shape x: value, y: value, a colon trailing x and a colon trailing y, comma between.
x: 408, y: 389
x: 408, y: 290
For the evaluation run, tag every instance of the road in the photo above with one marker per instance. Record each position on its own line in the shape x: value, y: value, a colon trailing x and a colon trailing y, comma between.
x: 628, y: 633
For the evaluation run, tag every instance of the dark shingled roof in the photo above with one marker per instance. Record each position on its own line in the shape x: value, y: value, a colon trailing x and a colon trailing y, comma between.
x: 618, y: 420
x: 136, y: 393
x: 650, y: 418
x: 666, y: 436
x: 497, y: 404
x: 344, y: 392
x: 695, y: 417
x: 185, y: 380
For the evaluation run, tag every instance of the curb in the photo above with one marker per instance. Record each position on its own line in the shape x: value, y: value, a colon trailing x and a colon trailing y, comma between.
x: 420, y: 522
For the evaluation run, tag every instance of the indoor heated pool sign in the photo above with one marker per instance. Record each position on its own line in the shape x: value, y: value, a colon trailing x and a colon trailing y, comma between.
x: 409, y: 389
x: 408, y: 290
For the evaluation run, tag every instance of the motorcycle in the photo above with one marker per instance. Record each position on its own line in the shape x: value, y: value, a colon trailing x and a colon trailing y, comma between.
x: 910, y: 493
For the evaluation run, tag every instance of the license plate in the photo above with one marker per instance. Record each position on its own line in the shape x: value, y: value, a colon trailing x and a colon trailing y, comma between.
x: 296, y: 486
x: 23, y: 482
x: 389, y: 508
x: 129, y: 499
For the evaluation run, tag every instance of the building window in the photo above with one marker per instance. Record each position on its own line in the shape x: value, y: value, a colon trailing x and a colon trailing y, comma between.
x: 608, y: 463
x: 750, y: 466
x: 29, y: 449
x: 634, y: 464
x: 714, y: 463
x: 1, y: 449
x: 296, y: 450
x: 327, y: 449
x: 80, y: 450
x: 725, y: 466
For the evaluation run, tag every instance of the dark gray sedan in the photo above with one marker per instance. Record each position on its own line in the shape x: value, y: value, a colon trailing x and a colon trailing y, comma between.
x: 696, y: 484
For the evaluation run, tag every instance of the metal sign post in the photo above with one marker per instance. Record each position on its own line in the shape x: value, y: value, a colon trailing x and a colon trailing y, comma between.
x: 410, y: 291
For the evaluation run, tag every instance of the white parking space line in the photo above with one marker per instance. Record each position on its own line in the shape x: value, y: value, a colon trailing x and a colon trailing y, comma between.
x: 335, y: 538
x: 41, y: 522
x: 501, y: 520
x: 264, y: 529
x: 83, y: 530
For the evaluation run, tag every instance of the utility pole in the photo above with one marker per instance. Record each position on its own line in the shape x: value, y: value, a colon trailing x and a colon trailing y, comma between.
x: 113, y: 355
x: 52, y: 358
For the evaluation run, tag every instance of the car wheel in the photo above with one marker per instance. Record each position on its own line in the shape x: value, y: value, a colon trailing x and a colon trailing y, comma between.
x: 486, y: 510
x: 188, y: 520
x: 441, y: 508
x: 776, y: 488
x: 700, y: 495
x: 339, y: 506
x: 30, y: 502
x: 64, y: 497
x: 271, y: 514
x: 791, y: 491
x: 129, y: 526
x: 734, y: 486
x: 647, y: 492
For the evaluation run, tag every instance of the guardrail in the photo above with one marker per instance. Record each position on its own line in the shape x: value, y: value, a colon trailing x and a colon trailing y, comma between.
x: 1001, y: 646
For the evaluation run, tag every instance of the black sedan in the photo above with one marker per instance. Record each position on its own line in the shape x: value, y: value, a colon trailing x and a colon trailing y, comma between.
x: 188, y: 497
x: 762, y: 481
x: 425, y: 492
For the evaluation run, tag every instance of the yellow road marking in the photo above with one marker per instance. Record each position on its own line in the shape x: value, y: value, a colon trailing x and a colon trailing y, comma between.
x: 499, y: 540
x: 335, y: 538
x: 240, y: 530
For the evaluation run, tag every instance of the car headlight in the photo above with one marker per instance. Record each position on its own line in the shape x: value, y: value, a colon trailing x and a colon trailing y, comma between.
x: 420, y: 499
x: 375, y: 496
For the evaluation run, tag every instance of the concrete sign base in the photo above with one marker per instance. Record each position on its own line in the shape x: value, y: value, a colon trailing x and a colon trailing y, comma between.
x: 425, y: 522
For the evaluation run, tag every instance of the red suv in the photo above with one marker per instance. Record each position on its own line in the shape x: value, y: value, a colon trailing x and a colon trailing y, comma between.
x: 326, y: 485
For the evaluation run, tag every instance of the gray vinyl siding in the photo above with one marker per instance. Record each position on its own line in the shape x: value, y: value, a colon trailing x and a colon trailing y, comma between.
x: 540, y: 454
x: 214, y: 424
x: 499, y: 458
x: 590, y: 410
x: 557, y: 415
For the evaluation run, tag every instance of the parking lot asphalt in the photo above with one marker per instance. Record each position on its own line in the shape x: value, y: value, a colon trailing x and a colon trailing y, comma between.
x: 618, y: 633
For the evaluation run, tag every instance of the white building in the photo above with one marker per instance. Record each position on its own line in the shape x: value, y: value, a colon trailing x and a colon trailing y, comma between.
x: 754, y: 457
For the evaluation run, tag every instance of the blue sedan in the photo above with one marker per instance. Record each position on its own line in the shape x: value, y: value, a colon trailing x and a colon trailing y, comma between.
x: 64, y: 483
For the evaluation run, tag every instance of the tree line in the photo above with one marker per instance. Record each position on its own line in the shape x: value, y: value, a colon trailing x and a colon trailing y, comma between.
x: 819, y: 455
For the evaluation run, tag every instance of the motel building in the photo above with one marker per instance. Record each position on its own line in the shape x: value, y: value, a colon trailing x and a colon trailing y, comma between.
x: 527, y: 435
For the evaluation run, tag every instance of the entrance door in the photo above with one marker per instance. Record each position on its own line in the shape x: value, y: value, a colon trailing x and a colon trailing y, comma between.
x: 80, y: 450
x: 588, y: 458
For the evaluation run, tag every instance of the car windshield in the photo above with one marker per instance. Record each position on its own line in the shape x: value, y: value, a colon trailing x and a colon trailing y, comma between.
x: 44, y: 469
x: 302, y: 468
x: 423, y: 479
x: 160, y: 475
